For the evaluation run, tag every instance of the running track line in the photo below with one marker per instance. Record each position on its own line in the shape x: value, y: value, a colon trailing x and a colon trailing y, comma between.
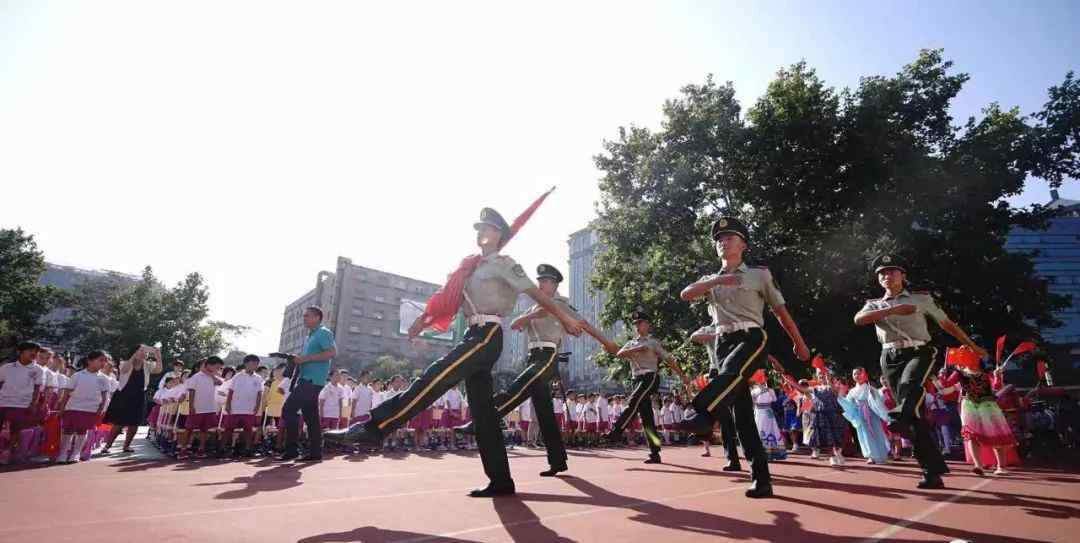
x: 628, y: 505
x: 903, y: 525
x: 248, y: 508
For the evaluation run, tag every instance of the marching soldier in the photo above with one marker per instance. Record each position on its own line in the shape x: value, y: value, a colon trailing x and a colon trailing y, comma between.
x: 907, y: 358
x: 489, y: 292
x: 737, y: 297
x: 546, y: 335
x: 644, y: 354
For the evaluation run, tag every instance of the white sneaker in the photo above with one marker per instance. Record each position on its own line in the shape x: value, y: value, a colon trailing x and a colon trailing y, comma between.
x: 1001, y: 471
x: 814, y: 455
x: 840, y: 460
x: 833, y: 461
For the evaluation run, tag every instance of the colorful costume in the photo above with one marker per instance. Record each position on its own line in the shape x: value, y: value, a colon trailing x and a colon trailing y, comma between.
x: 771, y: 438
x: 864, y: 407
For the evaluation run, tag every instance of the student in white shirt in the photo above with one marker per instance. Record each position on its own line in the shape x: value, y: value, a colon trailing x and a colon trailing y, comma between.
x: 21, y: 384
x: 592, y: 419
x: 244, y: 396
x: 81, y: 406
x: 49, y: 381
x: 332, y: 401
x: 362, y: 399
x: 202, y: 406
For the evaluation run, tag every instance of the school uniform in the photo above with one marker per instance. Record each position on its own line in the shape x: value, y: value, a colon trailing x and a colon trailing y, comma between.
x: 203, y: 413
x: 246, y: 390
x: 17, y: 384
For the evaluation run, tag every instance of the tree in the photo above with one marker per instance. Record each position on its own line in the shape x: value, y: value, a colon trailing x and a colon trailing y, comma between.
x: 116, y: 316
x: 826, y: 180
x: 22, y: 300
x: 387, y: 366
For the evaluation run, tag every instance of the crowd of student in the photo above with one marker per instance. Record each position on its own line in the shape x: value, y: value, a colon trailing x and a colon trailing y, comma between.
x: 237, y: 412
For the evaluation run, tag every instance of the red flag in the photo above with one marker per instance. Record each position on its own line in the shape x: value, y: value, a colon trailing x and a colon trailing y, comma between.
x: 1000, y: 349
x: 758, y: 376
x: 962, y: 357
x: 1040, y: 369
x: 702, y: 381
x: 818, y: 362
x: 524, y: 217
x: 1025, y: 347
x: 444, y: 304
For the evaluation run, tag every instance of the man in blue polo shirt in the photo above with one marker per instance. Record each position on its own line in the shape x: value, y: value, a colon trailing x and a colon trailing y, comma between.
x: 313, y: 369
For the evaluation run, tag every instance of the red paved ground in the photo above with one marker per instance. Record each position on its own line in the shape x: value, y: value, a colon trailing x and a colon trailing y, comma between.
x: 608, y: 496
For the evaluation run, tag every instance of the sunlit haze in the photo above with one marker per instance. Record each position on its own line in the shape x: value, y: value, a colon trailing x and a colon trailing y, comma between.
x: 255, y: 142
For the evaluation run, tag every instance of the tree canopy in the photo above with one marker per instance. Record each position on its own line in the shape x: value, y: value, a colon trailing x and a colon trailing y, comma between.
x: 827, y: 179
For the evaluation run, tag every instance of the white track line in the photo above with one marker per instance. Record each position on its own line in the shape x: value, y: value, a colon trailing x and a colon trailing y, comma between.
x: 627, y: 505
x: 903, y: 525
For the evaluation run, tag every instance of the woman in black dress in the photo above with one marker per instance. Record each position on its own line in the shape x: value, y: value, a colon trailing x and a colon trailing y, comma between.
x: 128, y: 406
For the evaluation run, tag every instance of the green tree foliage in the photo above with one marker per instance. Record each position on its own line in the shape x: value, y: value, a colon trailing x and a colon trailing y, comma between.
x: 826, y: 180
x: 387, y: 366
x: 117, y: 316
x: 22, y: 300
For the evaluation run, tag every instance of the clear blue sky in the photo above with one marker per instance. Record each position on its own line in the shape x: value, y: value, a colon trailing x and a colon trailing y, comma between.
x: 225, y: 137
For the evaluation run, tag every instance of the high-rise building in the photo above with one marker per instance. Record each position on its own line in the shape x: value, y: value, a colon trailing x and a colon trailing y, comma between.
x: 1056, y: 255
x: 583, y: 371
x: 362, y: 306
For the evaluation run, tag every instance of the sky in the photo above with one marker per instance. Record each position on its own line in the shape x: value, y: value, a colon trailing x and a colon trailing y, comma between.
x: 255, y: 142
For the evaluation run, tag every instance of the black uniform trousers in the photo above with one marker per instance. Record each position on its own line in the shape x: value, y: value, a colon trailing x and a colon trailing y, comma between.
x: 304, y: 399
x: 906, y: 371
x: 471, y: 361
x: 645, y: 386
x: 534, y: 382
x: 727, y: 427
x: 740, y: 354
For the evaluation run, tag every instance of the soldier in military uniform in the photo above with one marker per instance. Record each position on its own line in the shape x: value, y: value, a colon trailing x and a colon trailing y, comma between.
x: 737, y: 297
x: 545, y: 334
x: 907, y: 358
x: 490, y: 293
x: 644, y: 353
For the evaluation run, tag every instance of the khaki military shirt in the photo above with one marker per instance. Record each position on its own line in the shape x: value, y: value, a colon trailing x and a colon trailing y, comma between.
x: 646, y: 360
x: 904, y: 327
x: 548, y: 328
x: 746, y: 301
x: 494, y: 287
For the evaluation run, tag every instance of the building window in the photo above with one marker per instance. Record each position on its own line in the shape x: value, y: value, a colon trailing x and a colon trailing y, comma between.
x: 378, y: 315
x: 380, y: 299
x: 354, y: 329
x: 376, y: 331
x: 358, y: 311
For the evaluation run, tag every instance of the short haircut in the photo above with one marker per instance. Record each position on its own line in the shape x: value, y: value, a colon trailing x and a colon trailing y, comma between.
x: 314, y: 309
x: 252, y: 358
x: 364, y: 373
x: 28, y: 346
x: 178, y: 362
x: 214, y: 361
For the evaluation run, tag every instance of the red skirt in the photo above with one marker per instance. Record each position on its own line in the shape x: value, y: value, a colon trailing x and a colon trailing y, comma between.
x: 560, y: 420
x: 78, y: 422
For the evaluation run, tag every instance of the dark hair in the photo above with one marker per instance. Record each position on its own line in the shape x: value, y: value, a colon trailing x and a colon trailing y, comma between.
x: 29, y: 345
x: 252, y: 358
x: 228, y: 369
x: 314, y: 309
x: 92, y: 355
x: 261, y: 368
x: 214, y: 361
x: 178, y: 362
x: 364, y: 372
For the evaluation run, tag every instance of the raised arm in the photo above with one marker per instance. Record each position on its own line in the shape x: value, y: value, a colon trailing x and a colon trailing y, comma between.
x: 698, y: 289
